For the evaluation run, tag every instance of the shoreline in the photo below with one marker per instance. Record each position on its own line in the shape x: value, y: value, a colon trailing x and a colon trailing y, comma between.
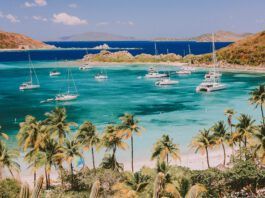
x: 190, y: 159
x: 225, y: 68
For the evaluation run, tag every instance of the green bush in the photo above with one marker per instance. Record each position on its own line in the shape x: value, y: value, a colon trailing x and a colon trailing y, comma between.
x: 9, y: 188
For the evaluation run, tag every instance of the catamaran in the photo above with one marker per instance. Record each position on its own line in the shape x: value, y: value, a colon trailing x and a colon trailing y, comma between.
x: 212, y: 83
x: 30, y: 84
x: 68, y: 95
x: 101, y: 76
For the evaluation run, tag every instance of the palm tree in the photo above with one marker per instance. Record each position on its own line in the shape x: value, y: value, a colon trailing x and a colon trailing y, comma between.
x: 129, y: 126
x: 57, y: 120
x: 245, y: 127
x: 164, y: 148
x: 203, y: 142
x: 108, y: 162
x: 133, y: 184
x: 72, y: 150
x: 7, y: 159
x: 221, y: 136
x: 3, y: 134
x: 111, y: 140
x: 87, y: 136
x: 30, y: 136
x: 51, y: 155
x: 258, y: 98
x: 260, y: 149
x: 229, y: 113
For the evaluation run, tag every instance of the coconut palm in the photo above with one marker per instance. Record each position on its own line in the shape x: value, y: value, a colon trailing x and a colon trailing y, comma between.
x: 108, y: 162
x: 258, y: 99
x: 164, y: 148
x: 71, y: 150
x: 129, y: 127
x: 203, y: 142
x: 3, y: 134
x: 57, y: 120
x: 221, y: 136
x: 30, y: 136
x: 229, y: 113
x: 133, y: 184
x: 111, y: 140
x: 245, y: 127
x: 260, y: 139
x: 50, y: 155
x: 7, y: 159
x: 89, y: 138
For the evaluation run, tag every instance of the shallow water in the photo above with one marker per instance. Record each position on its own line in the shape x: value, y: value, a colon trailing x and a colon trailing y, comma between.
x: 177, y: 110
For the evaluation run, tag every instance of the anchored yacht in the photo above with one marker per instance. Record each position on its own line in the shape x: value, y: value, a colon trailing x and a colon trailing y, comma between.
x: 55, y: 73
x: 68, y: 95
x: 30, y: 84
x: 166, y: 81
x: 212, y: 80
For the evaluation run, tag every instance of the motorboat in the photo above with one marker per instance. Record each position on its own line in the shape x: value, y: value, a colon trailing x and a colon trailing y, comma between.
x: 155, y: 75
x: 55, y: 73
x: 30, y: 84
x: 166, y: 81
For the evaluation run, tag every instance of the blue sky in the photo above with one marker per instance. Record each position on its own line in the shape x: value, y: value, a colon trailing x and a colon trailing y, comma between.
x: 50, y: 19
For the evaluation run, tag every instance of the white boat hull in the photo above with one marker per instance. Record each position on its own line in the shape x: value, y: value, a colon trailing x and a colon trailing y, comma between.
x: 29, y: 87
x: 166, y: 82
x: 156, y: 75
x: 66, y: 97
x: 55, y: 74
x: 214, y: 87
x: 184, y: 72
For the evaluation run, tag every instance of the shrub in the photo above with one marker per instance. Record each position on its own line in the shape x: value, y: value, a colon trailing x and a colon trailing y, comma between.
x: 9, y: 188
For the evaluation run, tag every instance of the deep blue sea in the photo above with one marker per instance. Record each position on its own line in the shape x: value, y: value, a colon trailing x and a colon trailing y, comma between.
x: 176, y: 110
x: 178, y: 47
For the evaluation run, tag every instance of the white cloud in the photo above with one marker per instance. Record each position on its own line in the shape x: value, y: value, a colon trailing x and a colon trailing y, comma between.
x: 72, y: 5
x: 67, y: 19
x: 40, y: 18
x: 35, y: 3
x: 10, y: 17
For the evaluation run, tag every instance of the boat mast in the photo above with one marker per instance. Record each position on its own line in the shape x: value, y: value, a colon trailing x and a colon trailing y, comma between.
x: 155, y: 49
x: 190, y: 55
x: 30, y: 70
x: 213, y: 55
x: 68, y: 81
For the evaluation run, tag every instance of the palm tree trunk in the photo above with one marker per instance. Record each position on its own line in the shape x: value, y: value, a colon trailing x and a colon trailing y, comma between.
x: 207, y: 157
x: 46, y: 178
x: 1, y: 173
x: 132, y: 151
x: 240, y: 150
x: 61, y: 174
x: 93, y: 158
x: 167, y: 159
x: 224, y: 152
x: 72, y: 175
x: 35, y: 173
x: 262, y: 114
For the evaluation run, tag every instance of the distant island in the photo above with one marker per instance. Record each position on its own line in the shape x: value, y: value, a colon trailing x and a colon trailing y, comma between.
x: 220, y: 36
x: 14, y: 41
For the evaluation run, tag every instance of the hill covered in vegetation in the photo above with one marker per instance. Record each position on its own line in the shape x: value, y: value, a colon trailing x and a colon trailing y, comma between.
x: 248, y: 51
x: 9, y: 40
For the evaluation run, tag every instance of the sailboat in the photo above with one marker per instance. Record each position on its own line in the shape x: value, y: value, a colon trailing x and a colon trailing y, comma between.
x: 152, y: 73
x: 86, y: 66
x: 68, y: 95
x: 30, y: 84
x: 186, y: 70
x: 54, y: 72
x: 212, y: 83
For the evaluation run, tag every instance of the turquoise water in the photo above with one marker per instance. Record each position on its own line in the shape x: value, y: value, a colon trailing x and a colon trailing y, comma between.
x: 176, y: 110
